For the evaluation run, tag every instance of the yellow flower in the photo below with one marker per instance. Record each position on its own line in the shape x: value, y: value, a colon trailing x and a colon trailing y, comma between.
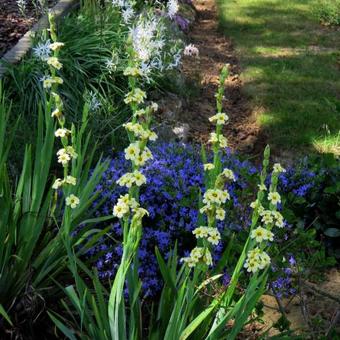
x: 70, y: 150
x: 267, y: 217
x: 54, y: 62
x: 126, y: 180
x: 63, y: 157
x: 48, y: 82
x: 252, y: 266
x: 207, y: 258
x: 223, y: 142
x: 262, y: 187
x: 72, y: 201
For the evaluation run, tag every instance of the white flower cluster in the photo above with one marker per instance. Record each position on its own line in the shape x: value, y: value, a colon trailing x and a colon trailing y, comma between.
x: 124, y: 205
x: 213, y: 199
x: 140, y: 132
x: 219, y: 119
x: 136, y: 155
x: 197, y: 255
x: 131, y: 178
x: 147, y: 39
x: 212, y: 235
x: 172, y: 8
x: 136, y: 96
x: 218, y: 139
x: 67, y: 153
x: 256, y: 259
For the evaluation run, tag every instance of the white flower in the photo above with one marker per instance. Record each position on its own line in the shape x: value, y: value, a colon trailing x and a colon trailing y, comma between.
x: 229, y: 174
x: 274, y: 198
x: 220, y: 214
x: 214, y: 236
x: 56, y: 45
x: 261, y: 234
x: 172, y: 8
x: 57, y: 184
x: 110, y: 65
x: 208, y: 166
x: 278, y: 168
x: 127, y: 14
x: 120, y: 209
x: 191, y: 50
x: 219, y: 118
x: 70, y: 180
x: 54, y: 62
x: 94, y: 102
x: 72, y: 201
x: 62, y: 132
x: 139, y: 178
x: 42, y: 50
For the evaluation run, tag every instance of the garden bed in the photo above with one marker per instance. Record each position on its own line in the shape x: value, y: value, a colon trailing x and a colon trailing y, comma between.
x: 131, y: 204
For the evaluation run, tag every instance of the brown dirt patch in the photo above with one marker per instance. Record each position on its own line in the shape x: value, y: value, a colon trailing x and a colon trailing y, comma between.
x: 216, y: 50
x: 13, y: 25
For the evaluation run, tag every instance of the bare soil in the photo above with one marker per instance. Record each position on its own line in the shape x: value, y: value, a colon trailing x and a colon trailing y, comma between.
x: 216, y: 50
x: 13, y: 24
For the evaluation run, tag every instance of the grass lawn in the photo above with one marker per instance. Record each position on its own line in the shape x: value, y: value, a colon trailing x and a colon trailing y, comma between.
x: 290, y: 68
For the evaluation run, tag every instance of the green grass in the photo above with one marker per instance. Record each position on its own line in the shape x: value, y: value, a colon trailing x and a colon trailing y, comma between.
x: 290, y: 68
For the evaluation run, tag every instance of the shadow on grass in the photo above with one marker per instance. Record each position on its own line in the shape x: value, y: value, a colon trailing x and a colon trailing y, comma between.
x: 290, y: 68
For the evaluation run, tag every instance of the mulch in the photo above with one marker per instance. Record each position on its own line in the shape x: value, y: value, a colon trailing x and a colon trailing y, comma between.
x: 12, y: 24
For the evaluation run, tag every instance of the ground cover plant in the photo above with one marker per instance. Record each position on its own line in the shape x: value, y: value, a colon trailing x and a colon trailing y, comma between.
x: 290, y: 69
x: 160, y: 240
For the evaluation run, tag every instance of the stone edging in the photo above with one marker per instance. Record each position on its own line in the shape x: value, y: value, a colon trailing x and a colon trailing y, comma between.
x: 18, y: 51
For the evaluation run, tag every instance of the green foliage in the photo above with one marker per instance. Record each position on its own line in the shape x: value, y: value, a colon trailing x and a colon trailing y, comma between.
x: 32, y: 223
x: 328, y: 12
x: 90, y: 40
